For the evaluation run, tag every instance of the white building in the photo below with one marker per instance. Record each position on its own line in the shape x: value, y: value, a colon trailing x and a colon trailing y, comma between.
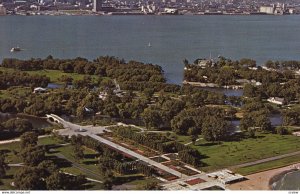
x: 267, y: 9
x: 39, y: 90
x: 2, y: 10
x: 276, y: 100
x: 170, y: 10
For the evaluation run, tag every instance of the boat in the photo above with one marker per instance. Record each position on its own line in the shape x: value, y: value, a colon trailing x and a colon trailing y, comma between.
x: 15, y: 49
x: 149, y: 45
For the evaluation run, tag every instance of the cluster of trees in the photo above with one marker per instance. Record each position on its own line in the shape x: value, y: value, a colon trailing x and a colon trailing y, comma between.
x: 3, y: 166
x: 291, y: 116
x: 46, y: 176
x: 283, y: 65
x: 163, y: 112
x: 161, y: 143
x: 16, y: 78
x: 281, y: 83
x: 131, y: 75
x: 152, y: 140
x: 190, y: 156
x: 255, y: 118
x: 38, y: 173
x: 289, y: 90
x: 208, y: 121
x: 226, y: 72
x: 14, y: 127
x: 111, y: 161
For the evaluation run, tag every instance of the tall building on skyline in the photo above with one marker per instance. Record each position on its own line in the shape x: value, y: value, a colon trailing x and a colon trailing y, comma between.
x: 2, y: 10
x: 97, y: 5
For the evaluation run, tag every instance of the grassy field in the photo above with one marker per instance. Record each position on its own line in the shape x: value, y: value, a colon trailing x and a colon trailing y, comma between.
x: 225, y: 154
x: 268, y: 165
x: 5, y: 182
x: 54, y: 75
x: 87, y: 166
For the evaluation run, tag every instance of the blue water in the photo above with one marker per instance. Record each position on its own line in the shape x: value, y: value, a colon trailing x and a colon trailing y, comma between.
x: 289, y: 181
x: 173, y: 38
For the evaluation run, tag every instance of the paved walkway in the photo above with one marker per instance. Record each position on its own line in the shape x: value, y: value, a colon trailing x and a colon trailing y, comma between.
x: 136, y: 155
x: 18, y: 139
x: 88, y: 172
x: 265, y: 160
x: 72, y: 129
x: 192, y: 142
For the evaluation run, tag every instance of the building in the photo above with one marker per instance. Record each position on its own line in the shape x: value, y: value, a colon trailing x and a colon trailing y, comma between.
x: 226, y: 176
x: 39, y: 90
x: 97, y: 5
x: 2, y: 10
x: 171, y: 11
x: 267, y: 9
x: 276, y: 100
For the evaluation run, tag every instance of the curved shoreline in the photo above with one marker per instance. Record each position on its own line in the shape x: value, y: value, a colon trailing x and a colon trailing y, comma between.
x: 262, y: 180
x: 278, y: 177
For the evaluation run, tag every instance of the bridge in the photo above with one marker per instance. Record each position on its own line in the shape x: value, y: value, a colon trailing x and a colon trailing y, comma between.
x: 55, y: 118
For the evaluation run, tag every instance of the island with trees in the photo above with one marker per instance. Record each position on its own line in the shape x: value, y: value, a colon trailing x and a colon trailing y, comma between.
x: 185, y: 128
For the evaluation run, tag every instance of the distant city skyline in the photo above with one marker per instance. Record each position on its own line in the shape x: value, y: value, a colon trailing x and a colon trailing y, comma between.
x: 181, y: 7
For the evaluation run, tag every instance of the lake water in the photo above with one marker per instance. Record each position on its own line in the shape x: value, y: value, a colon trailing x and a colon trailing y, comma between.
x: 288, y: 181
x: 173, y: 38
x: 275, y: 119
x: 37, y: 123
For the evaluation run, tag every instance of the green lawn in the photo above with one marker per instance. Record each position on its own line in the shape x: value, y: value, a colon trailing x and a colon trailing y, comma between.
x: 16, y: 92
x: 54, y: 75
x: 5, y: 182
x: 217, y: 156
x: 9, y: 149
x: 268, y: 165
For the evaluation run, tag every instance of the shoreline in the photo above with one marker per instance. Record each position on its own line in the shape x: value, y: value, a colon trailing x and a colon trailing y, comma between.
x: 263, y: 180
x: 87, y: 13
x: 277, y: 177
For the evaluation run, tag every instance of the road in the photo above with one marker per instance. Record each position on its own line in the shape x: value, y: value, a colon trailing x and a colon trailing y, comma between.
x: 18, y: 139
x: 93, y: 133
x: 88, y: 172
x: 265, y: 160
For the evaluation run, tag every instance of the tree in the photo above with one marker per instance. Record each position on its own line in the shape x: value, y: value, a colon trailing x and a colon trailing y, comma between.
x: 32, y: 155
x: 47, y: 167
x: 107, y: 176
x: 29, y: 139
x: 18, y: 125
x: 214, y: 128
x: 154, y: 185
x: 3, y: 165
x: 249, y: 90
x: 194, y: 138
x: 55, y: 181
x: 181, y: 125
x: 281, y: 130
x: 291, y: 117
x: 78, y: 152
x: 151, y: 118
x: 263, y: 122
x: 28, y: 178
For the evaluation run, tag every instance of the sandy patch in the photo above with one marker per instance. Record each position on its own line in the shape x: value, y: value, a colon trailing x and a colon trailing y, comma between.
x: 259, y: 181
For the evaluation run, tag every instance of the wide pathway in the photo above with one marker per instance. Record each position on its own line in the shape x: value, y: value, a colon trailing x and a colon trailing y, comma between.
x: 18, y: 139
x: 265, y: 160
x: 72, y: 129
x: 138, y: 156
